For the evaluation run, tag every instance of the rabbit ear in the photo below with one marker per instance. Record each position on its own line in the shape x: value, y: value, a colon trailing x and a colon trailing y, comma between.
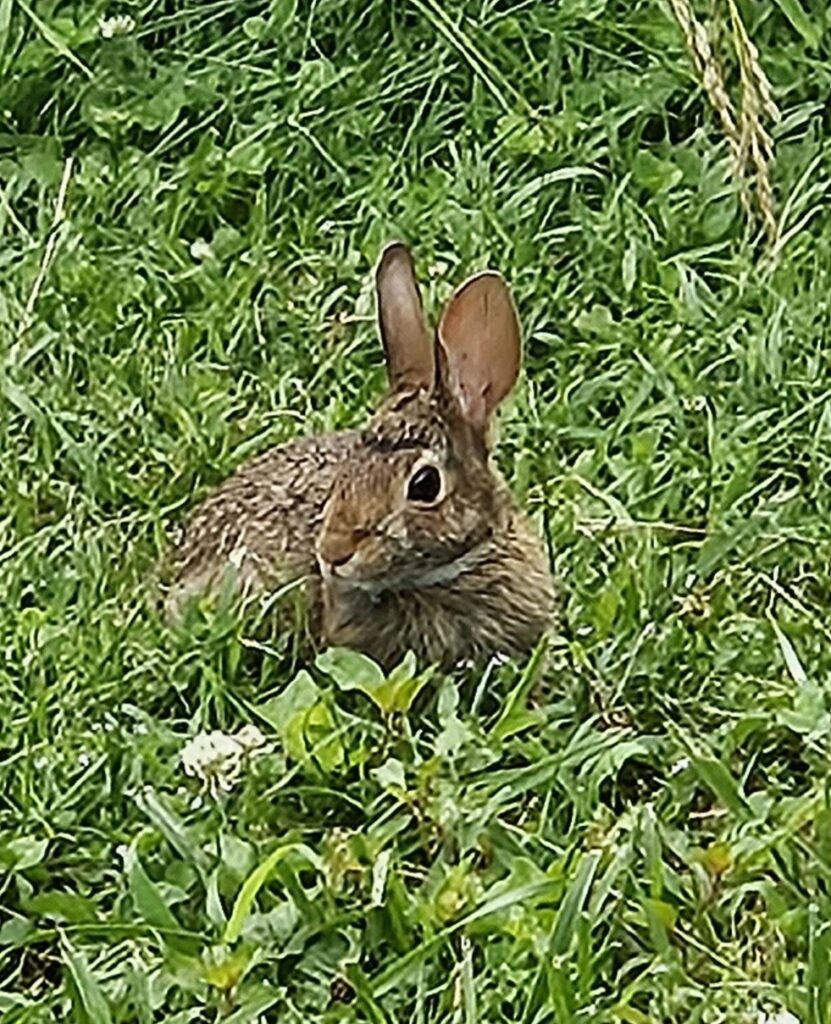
x: 480, y: 341
x: 408, y: 345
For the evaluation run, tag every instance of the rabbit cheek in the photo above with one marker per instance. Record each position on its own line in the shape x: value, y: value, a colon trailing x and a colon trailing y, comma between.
x: 369, y: 561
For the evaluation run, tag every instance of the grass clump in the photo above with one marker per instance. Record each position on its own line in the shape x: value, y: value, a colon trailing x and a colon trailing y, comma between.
x: 635, y: 828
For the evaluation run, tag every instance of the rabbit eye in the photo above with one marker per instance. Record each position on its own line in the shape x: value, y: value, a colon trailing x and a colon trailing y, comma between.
x: 424, y: 485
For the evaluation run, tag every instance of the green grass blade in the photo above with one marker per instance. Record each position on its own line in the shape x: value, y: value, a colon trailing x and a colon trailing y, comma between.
x: 55, y: 40
x: 573, y: 904
x: 5, y: 24
x: 146, y: 896
x: 797, y: 16
x: 717, y: 777
x: 172, y: 829
x: 404, y: 967
x: 91, y: 1007
x: 255, y: 881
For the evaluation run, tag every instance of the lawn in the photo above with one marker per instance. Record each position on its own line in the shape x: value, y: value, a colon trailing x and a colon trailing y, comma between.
x: 635, y: 825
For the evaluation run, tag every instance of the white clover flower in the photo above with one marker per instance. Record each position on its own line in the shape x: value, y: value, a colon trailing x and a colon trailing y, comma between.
x: 119, y: 25
x: 251, y: 738
x: 200, y: 249
x: 215, y: 758
x: 218, y: 759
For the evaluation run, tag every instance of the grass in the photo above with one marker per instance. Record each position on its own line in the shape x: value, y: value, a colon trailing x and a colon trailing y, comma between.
x: 637, y: 828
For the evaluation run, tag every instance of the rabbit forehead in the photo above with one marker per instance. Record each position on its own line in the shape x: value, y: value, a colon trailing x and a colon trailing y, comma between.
x: 409, y: 421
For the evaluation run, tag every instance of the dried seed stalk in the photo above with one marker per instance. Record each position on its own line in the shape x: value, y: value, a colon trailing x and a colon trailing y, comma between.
x: 751, y: 147
x: 757, y: 102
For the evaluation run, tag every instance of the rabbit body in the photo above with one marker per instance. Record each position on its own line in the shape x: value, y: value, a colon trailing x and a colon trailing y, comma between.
x: 256, y: 531
x: 408, y: 537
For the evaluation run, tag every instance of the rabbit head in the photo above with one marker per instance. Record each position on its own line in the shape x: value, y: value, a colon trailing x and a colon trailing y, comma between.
x: 412, y: 505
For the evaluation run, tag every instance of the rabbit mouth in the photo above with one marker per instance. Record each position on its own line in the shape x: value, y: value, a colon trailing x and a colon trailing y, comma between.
x: 410, y: 578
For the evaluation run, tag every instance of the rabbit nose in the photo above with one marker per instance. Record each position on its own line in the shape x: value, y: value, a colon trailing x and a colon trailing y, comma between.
x: 338, y: 548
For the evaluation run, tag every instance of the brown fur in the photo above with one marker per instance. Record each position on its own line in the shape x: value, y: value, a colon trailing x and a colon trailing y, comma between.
x: 463, y: 578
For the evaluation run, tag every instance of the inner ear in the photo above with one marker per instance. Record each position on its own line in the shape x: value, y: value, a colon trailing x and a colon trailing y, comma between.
x: 481, y: 346
x: 407, y: 342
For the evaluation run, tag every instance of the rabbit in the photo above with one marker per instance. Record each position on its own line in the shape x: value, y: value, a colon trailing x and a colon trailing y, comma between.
x: 407, y: 536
